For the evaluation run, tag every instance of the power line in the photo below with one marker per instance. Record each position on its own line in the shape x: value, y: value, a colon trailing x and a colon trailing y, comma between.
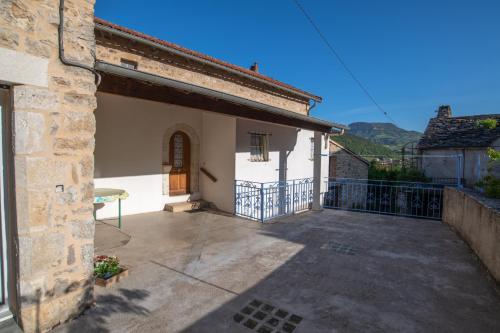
x: 339, y: 58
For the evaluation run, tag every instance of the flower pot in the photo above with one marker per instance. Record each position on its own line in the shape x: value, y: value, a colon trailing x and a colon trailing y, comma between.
x: 112, y: 279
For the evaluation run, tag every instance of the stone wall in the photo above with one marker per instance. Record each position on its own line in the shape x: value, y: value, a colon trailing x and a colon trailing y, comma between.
x: 113, y: 50
x: 53, y: 128
x: 344, y: 164
x: 477, y: 220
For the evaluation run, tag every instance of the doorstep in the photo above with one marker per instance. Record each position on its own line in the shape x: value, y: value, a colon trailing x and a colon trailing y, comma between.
x: 184, y: 206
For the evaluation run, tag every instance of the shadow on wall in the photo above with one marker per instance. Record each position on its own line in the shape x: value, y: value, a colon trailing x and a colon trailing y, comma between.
x: 123, y: 301
x: 129, y: 139
x: 282, y: 140
x: 62, y: 288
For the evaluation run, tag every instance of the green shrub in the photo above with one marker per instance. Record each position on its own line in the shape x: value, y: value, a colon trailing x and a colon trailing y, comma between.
x: 490, y: 183
x: 491, y: 186
x: 396, y: 174
x: 487, y: 123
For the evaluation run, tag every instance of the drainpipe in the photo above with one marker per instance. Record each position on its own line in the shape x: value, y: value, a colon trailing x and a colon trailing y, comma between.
x: 311, y: 107
x: 62, y: 56
x: 316, y: 204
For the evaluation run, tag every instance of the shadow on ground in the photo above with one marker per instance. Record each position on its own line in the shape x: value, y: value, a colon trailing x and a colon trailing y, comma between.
x: 316, y: 272
x: 124, y: 301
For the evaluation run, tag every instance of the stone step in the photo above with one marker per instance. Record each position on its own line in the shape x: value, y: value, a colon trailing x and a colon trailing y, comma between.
x: 184, y: 206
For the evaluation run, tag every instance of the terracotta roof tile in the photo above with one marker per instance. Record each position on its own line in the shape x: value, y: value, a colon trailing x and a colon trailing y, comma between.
x: 204, y: 57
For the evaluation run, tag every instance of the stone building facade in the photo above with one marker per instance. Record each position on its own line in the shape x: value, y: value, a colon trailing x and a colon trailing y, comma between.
x: 48, y: 130
x: 455, y: 148
x: 344, y: 163
x: 51, y: 228
x: 115, y: 49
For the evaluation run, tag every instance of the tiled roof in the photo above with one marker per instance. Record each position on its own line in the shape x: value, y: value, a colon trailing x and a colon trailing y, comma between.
x: 202, y: 56
x: 459, y: 132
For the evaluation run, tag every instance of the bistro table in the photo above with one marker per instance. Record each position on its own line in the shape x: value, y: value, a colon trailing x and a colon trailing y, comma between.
x: 104, y: 195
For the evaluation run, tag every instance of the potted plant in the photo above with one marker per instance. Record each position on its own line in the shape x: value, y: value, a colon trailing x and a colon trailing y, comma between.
x: 107, y: 270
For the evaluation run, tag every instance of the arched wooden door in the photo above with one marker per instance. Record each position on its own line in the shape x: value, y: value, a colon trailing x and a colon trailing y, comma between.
x: 180, y: 151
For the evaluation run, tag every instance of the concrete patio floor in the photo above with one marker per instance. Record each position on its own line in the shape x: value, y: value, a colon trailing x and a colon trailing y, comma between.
x: 339, y: 271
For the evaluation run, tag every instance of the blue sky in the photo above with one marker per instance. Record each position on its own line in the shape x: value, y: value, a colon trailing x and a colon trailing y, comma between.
x: 411, y: 55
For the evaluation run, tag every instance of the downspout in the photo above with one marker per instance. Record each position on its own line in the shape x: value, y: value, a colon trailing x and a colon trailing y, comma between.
x: 62, y: 56
x: 311, y: 107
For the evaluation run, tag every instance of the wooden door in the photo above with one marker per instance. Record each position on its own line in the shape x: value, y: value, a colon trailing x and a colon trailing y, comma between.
x: 180, y: 160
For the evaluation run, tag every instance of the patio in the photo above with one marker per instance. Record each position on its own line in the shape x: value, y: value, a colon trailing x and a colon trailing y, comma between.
x: 335, y: 270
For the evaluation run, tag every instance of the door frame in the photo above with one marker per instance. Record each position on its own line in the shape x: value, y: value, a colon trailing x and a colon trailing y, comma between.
x: 186, y: 162
x: 7, y: 206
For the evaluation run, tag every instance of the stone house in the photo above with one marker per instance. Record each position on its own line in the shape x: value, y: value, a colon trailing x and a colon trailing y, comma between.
x: 345, y: 163
x: 166, y: 124
x: 454, y: 148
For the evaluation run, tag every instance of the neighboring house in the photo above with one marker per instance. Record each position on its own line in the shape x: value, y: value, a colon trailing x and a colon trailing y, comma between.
x: 345, y: 163
x: 237, y: 124
x: 455, y: 147
x: 170, y: 125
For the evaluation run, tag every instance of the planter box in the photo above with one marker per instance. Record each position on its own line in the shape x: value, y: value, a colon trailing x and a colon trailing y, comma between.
x: 112, y: 280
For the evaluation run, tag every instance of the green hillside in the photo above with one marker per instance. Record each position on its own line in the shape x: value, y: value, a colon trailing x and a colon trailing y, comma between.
x: 364, y: 147
x: 386, y: 134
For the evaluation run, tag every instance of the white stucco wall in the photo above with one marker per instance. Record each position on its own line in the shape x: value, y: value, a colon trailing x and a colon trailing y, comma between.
x: 128, y: 152
x: 129, y: 145
x: 217, y: 157
x: 325, y: 163
x: 289, y: 149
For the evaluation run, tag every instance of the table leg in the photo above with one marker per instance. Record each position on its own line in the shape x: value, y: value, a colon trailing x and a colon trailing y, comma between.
x: 119, y: 213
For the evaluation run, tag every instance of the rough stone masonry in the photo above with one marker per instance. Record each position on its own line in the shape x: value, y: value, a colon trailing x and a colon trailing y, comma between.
x: 54, y: 141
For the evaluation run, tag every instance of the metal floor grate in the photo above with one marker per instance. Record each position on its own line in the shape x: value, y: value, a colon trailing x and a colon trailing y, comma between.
x: 339, y: 248
x: 265, y: 318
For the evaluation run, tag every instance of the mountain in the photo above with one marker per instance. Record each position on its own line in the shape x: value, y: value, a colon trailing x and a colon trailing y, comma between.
x: 364, y: 147
x: 386, y: 134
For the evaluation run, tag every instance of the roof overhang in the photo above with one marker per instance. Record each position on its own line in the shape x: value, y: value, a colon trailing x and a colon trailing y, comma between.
x: 134, y: 83
x: 129, y: 34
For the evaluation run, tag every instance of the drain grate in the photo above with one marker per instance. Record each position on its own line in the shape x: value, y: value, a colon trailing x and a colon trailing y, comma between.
x: 339, y: 248
x: 266, y: 318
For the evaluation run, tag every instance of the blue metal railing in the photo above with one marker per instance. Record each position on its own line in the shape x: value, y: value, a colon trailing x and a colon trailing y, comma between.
x: 264, y: 201
x: 413, y: 199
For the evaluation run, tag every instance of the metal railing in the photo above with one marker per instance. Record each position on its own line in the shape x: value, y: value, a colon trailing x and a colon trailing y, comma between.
x: 264, y: 201
x: 449, y: 181
x: 413, y: 199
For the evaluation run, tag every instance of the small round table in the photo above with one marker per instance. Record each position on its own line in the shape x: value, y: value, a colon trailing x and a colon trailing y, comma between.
x: 103, y: 195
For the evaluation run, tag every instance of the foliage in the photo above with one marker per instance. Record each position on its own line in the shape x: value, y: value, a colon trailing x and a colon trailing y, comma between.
x: 491, y: 186
x: 396, y: 174
x: 490, y: 183
x: 386, y: 134
x: 105, y: 267
x: 493, y: 154
x: 364, y: 147
x: 488, y: 123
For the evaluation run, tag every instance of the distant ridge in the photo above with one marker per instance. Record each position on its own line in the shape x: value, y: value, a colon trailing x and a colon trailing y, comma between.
x: 364, y: 147
x: 386, y: 134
